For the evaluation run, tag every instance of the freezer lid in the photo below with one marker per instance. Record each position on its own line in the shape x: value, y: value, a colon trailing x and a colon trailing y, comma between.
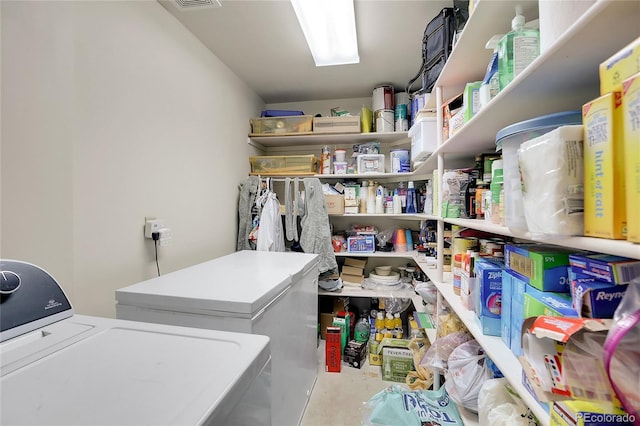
x: 127, y: 372
x: 238, y: 284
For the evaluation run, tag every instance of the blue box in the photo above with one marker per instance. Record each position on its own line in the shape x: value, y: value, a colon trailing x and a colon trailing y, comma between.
x: 505, y: 316
x: 489, y: 275
x: 543, y: 267
x: 606, y: 267
x: 518, y: 288
x: 592, y: 298
x: 361, y: 244
x: 548, y: 303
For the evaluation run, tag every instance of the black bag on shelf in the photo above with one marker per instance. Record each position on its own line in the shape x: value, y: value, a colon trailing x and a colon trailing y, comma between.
x: 437, y: 44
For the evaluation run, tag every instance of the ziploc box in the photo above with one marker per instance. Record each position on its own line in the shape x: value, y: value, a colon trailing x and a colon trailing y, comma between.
x: 620, y: 66
x: 517, y: 312
x: 547, y: 303
x: 586, y: 413
x: 631, y: 132
x: 592, y: 298
x: 489, y: 310
x: 606, y: 267
x: 505, y: 315
x: 543, y: 267
x: 604, y: 180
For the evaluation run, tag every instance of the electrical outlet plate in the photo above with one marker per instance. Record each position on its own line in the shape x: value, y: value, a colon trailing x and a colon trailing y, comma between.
x: 151, y: 226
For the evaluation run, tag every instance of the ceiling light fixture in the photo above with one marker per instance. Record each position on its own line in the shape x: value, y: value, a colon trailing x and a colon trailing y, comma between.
x: 330, y: 29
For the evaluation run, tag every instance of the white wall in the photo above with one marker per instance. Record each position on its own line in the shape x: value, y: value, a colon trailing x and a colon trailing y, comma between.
x: 113, y: 111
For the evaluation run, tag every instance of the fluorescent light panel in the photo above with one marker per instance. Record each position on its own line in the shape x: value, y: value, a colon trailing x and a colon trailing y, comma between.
x: 330, y: 29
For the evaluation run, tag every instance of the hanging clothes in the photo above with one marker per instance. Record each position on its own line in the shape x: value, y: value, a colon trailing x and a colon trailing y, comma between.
x: 316, y: 232
x: 270, y: 232
x: 249, y: 190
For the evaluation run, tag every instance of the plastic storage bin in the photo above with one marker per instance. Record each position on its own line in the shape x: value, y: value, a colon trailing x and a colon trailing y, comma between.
x: 281, y: 125
x: 509, y: 140
x: 283, y: 165
x: 370, y: 163
x: 424, y: 138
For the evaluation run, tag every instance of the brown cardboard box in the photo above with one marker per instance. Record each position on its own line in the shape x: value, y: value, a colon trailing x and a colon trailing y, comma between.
x: 351, y: 270
x: 326, y: 320
x: 348, y: 279
x: 335, y: 203
x: 357, y: 263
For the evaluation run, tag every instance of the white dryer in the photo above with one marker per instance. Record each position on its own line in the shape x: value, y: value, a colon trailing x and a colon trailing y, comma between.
x: 57, y: 368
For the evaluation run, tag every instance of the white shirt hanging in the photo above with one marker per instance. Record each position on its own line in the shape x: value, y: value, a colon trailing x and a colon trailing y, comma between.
x: 270, y: 233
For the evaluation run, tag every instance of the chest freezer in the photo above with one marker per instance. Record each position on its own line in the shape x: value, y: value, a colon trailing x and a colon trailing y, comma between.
x: 255, y: 292
x: 57, y: 368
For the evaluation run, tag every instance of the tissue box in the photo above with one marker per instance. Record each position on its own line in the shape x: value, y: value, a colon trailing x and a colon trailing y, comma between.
x: 542, y: 267
x: 605, y: 267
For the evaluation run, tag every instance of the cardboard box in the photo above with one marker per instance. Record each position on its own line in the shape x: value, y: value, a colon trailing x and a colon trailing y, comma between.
x: 631, y: 138
x: 355, y: 353
x: 361, y: 244
x: 351, y: 196
x: 517, y: 312
x: 353, y: 280
x: 584, y: 413
x: 351, y: 210
x: 335, y: 203
x: 333, y: 353
x: 342, y: 124
x: 397, y: 359
x: 606, y: 267
x: 538, y: 303
x: 353, y: 271
x: 556, y: 364
x: 326, y: 320
x: 356, y: 263
x: 543, y: 267
x: 489, y: 307
x: 619, y: 67
x: 343, y: 321
x: 592, y: 298
x: 604, y: 180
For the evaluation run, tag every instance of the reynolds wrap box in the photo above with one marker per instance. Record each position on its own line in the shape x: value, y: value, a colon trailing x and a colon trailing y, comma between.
x: 547, y: 303
x: 606, y: 267
x: 489, y: 308
x: 543, y: 267
x: 631, y: 137
x: 592, y: 298
x: 620, y: 66
x: 604, y: 180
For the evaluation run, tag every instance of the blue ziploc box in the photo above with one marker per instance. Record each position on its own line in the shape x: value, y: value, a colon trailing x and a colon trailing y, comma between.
x: 518, y: 288
x: 606, y: 267
x: 592, y: 298
x: 548, y: 303
x: 505, y: 315
x: 543, y: 267
x: 361, y: 244
x: 489, y: 278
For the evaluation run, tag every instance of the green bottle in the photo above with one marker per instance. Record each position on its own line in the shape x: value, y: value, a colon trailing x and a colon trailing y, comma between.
x: 517, y: 49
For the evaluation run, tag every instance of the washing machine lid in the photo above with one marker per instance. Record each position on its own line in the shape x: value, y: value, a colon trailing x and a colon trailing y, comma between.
x: 240, y: 284
x: 88, y: 370
x: 30, y: 298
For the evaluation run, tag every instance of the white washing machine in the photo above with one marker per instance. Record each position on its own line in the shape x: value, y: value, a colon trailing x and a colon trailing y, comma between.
x: 275, y: 294
x: 57, y: 368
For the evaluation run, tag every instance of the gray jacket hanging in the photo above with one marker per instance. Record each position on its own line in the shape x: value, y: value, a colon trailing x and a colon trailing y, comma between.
x: 316, y: 233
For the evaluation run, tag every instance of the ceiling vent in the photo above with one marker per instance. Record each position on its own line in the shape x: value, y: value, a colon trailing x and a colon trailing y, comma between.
x: 197, y: 4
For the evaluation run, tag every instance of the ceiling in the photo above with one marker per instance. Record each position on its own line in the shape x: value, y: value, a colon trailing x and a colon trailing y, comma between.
x: 262, y: 42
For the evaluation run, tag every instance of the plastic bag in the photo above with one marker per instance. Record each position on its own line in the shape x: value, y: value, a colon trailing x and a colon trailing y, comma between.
x: 498, y: 405
x: 438, y: 353
x: 622, y: 352
x: 396, y: 406
x: 466, y: 373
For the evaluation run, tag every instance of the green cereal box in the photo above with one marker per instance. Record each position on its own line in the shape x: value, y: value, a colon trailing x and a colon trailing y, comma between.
x: 604, y: 180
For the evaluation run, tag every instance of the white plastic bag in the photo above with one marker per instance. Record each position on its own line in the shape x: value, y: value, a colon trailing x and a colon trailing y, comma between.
x: 498, y: 406
x: 466, y: 373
